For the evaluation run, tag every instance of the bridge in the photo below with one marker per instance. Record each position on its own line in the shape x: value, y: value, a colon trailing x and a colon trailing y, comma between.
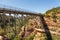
x: 16, y: 13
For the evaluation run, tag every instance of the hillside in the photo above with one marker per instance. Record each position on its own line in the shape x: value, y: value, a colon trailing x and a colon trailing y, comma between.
x: 31, y: 27
x: 35, y: 31
x: 53, y: 11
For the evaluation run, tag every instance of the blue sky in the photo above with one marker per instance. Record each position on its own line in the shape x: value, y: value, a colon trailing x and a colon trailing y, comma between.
x: 40, y: 6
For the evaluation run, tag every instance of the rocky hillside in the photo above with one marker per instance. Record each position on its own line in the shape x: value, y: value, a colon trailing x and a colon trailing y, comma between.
x: 31, y: 27
x: 34, y: 30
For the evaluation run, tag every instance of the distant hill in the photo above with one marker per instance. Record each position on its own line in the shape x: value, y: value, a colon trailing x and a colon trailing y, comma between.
x: 53, y: 11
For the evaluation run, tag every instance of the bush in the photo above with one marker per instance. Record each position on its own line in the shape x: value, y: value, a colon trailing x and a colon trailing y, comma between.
x: 54, y: 17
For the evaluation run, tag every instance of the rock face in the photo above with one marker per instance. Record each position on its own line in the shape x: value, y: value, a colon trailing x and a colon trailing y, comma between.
x: 29, y: 30
x: 33, y: 28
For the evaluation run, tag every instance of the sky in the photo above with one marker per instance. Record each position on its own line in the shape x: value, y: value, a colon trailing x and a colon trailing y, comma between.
x: 40, y: 6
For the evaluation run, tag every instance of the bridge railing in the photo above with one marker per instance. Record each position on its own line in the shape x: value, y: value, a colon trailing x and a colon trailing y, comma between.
x: 15, y: 8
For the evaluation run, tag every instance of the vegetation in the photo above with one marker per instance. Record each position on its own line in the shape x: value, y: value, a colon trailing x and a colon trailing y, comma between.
x: 54, y: 17
x: 57, y: 10
x: 11, y: 26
